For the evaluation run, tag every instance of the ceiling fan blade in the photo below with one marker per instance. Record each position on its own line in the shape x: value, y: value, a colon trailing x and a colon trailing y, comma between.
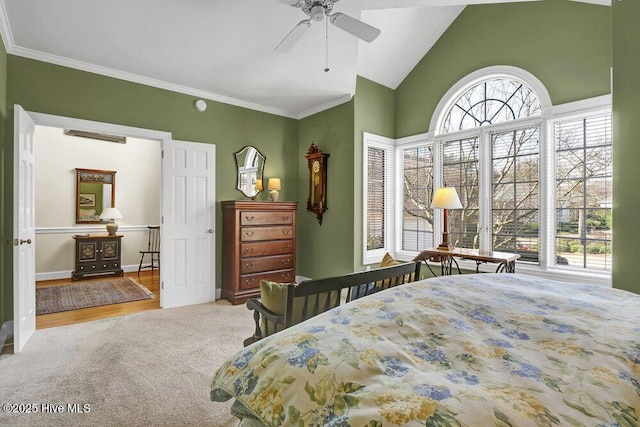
x: 294, y: 3
x: 293, y: 37
x: 355, y: 27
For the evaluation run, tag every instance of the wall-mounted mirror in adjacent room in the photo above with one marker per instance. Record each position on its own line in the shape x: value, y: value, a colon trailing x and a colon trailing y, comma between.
x: 250, y: 163
x: 95, y: 191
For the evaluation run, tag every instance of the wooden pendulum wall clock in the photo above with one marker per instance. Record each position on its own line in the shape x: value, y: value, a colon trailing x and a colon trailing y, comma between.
x: 317, y: 161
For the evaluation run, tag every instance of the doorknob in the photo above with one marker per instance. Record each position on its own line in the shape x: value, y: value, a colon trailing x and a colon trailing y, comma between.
x: 210, y: 231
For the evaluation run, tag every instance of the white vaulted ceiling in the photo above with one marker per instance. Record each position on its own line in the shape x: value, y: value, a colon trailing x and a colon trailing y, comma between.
x: 223, y: 49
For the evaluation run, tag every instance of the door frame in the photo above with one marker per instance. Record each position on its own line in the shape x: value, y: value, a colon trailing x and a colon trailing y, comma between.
x: 43, y: 119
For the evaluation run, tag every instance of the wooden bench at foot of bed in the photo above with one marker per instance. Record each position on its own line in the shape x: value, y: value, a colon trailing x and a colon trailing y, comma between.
x: 284, y: 305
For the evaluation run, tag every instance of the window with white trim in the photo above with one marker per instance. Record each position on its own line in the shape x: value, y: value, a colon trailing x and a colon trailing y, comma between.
x: 378, y: 155
x: 417, y: 215
x: 583, y: 182
x: 533, y: 179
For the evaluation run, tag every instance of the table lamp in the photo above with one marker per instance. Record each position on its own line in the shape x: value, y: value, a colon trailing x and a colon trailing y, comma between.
x: 111, y: 214
x: 446, y: 198
x: 274, y: 186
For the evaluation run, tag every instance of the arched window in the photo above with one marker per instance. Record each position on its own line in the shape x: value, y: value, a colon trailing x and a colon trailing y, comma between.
x: 491, y: 102
x: 533, y: 178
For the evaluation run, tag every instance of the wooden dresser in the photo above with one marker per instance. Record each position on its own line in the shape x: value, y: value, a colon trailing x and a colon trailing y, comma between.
x: 258, y: 242
x: 97, y: 254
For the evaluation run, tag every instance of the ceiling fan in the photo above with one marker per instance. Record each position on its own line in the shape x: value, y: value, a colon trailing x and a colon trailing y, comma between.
x: 317, y: 9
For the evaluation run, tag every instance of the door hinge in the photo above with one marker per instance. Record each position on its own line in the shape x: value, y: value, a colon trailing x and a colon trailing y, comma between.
x: 161, y: 285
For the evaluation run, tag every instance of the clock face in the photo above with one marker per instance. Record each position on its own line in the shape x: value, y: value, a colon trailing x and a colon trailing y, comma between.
x: 316, y: 166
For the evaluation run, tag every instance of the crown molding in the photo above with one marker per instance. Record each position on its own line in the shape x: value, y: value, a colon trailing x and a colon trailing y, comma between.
x: 13, y: 49
x: 135, y: 78
x: 325, y: 106
x: 5, y: 30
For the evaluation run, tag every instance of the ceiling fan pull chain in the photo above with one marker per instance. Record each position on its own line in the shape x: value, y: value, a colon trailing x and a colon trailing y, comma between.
x: 326, y: 22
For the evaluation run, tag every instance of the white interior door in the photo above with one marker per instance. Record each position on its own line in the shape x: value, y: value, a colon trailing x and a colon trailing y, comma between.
x: 188, y: 224
x: 24, y: 286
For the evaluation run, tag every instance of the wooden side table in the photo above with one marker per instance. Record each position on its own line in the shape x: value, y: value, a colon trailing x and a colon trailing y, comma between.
x: 506, y: 261
x: 98, y: 254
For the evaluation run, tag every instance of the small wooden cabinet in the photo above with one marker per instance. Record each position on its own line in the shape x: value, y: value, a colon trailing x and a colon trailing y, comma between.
x: 259, y: 243
x: 98, y: 254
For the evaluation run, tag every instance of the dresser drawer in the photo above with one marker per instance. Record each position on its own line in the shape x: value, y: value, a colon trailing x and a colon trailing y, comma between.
x: 253, y: 234
x: 266, y: 218
x: 252, y: 281
x: 256, y: 265
x: 281, y: 247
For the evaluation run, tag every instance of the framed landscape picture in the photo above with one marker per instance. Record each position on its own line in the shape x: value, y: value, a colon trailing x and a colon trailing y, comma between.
x: 87, y: 199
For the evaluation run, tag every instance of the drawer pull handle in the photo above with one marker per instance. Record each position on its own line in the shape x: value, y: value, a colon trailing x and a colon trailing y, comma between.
x: 284, y: 218
x: 250, y: 281
x: 286, y: 231
x: 248, y: 233
x: 250, y: 265
x: 286, y: 248
x: 249, y: 218
x: 286, y: 261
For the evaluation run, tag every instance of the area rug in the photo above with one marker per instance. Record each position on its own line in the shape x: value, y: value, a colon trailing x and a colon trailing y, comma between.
x: 54, y: 299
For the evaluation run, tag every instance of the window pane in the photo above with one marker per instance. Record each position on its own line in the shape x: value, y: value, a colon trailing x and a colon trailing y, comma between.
x: 516, y: 193
x: 490, y: 102
x: 376, y: 186
x: 460, y: 170
x: 583, y: 192
x: 417, y: 217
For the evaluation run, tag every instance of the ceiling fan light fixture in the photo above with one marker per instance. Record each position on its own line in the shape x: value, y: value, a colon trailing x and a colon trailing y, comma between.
x: 352, y: 26
x: 317, y: 13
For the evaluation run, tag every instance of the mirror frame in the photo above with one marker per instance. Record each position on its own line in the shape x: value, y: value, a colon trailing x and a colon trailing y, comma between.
x: 94, y: 176
x: 259, y: 171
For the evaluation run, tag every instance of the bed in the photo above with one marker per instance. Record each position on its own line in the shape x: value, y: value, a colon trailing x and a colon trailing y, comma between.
x: 468, y: 350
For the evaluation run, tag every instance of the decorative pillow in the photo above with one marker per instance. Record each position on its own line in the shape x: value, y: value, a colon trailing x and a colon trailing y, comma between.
x: 388, y: 261
x: 273, y: 296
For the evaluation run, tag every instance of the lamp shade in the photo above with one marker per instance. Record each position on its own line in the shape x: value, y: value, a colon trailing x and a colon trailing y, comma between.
x: 274, y: 184
x: 446, y: 198
x: 110, y: 213
x: 259, y: 186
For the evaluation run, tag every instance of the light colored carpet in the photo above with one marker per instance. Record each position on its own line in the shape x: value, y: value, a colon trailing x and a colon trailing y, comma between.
x: 147, y: 369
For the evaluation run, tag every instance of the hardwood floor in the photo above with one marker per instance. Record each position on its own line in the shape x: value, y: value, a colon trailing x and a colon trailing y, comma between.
x: 148, y: 279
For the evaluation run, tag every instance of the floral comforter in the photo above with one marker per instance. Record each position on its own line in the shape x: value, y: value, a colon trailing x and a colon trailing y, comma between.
x: 470, y: 350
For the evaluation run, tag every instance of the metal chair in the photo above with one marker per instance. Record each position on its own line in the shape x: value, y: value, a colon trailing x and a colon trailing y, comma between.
x: 153, y: 249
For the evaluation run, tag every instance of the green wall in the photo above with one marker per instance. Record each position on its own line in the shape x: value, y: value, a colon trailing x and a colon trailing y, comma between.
x: 566, y: 45
x: 327, y: 249
x: 626, y: 145
x: 375, y: 107
x: 6, y: 286
x: 52, y: 89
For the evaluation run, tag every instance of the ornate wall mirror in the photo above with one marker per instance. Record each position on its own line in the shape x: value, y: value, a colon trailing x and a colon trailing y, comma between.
x: 95, y: 191
x: 250, y: 163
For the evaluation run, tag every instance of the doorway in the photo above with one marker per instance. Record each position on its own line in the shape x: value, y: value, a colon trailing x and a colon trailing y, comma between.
x: 134, y: 167
x: 187, y: 163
